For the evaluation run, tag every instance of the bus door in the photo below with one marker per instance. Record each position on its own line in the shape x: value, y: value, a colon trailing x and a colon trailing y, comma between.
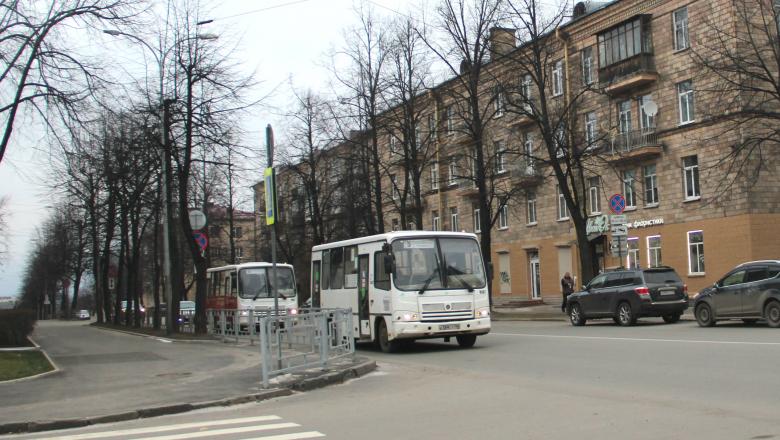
x: 363, y: 317
x: 315, y: 284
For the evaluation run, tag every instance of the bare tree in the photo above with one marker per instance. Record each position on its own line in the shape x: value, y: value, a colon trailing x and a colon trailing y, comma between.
x: 3, y: 228
x: 38, y: 66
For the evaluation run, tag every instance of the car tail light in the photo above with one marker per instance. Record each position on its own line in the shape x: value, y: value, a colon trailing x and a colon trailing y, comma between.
x: 685, y: 289
x: 643, y: 292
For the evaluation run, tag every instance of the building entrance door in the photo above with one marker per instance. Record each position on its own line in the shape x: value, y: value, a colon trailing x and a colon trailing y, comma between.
x: 505, y: 280
x: 536, y: 284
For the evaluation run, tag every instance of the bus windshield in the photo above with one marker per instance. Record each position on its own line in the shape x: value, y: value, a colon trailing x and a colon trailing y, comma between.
x: 256, y: 282
x: 445, y: 263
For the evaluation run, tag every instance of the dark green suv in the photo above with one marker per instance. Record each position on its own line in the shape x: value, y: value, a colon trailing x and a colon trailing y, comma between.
x: 750, y: 291
x: 626, y: 295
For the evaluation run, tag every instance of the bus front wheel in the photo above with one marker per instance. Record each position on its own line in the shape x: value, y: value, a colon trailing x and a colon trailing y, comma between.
x: 385, y: 344
x: 466, y: 341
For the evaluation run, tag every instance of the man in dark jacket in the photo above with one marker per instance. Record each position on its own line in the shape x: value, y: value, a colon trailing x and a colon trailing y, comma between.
x: 567, y: 288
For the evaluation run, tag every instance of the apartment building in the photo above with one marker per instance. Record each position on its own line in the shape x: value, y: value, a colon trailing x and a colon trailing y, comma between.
x: 645, y: 118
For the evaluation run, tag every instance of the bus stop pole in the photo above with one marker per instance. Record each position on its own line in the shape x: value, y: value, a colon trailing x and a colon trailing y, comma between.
x: 269, y: 138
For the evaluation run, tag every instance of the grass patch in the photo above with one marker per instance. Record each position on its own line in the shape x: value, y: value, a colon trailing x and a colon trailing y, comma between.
x: 19, y: 364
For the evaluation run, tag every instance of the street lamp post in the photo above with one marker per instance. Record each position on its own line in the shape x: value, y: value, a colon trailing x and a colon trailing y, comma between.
x: 168, y: 284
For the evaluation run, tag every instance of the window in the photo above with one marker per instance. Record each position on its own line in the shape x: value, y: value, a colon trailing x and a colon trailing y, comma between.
x: 498, y: 101
x: 238, y: 231
x: 563, y: 212
x: 594, y: 196
x: 528, y: 152
x: 450, y: 113
x: 435, y: 176
x: 531, y: 208
x: 452, y: 169
x: 500, y: 157
x: 557, y: 77
x: 651, y: 185
x: 733, y: 279
x: 239, y: 252
x: 654, y: 251
x: 431, y: 126
x: 685, y: 95
x: 587, y: 65
x: 525, y: 91
x: 622, y: 42
x: 503, y: 217
x: 696, y: 252
x: 477, y: 221
x: 680, y: 18
x: 435, y: 220
x: 590, y: 129
x: 691, y: 177
x: 624, y: 116
x: 628, y: 188
x: 560, y: 142
x: 417, y: 136
x: 632, y: 260
x: 393, y: 144
x: 381, y: 278
x: 394, y: 186
x: 395, y: 225
x: 350, y: 267
x: 755, y: 274
x: 336, y: 268
x: 646, y: 121
x: 454, y: 226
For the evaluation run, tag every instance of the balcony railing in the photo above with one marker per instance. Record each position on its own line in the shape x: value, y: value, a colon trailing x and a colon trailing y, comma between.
x: 634, y: 71
x: 526, y: 174
x: 631, y: 140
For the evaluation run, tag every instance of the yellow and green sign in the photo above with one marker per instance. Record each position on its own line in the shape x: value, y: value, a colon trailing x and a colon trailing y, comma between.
x: 270, y: 196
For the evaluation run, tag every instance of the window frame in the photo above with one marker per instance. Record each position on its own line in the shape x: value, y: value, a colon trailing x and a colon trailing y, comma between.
x: 563, y: 210
x: 651, y: 254
x: 530, y: 206
x: 699, y: 254
x: 503, y: 217
x: 452, y: 166
x: 450, y: 116
x: 634, y: 252
x: 591, y: 128
x: 586, y: 56
x: 557, y: 78
x: 500, y: 160
x: 594, y: 198
x: 689, y: 98
x: 684, y: 27
x: 394, y: 193
x: 454, y: 223
x: 434, y: 176
x: 499, y: 103
x: 629, y: 189
x: 694, y: 171
x: 477, y: 221
x: 435, y: 221
x: 653, y: 187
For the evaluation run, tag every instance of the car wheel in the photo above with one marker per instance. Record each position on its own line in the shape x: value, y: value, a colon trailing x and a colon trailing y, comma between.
x: 625, y: 315
x: 385, y: 344
x: 575, y: 315
x: 671, y: 319
x: 466, y: 341
x: 704, y: 315
x: 772, y: 314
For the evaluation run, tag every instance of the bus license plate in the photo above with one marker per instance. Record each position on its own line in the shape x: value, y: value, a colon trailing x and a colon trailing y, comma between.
x: 449, y: 327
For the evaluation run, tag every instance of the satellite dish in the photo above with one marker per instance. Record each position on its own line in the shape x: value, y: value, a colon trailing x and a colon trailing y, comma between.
x: 650, y: 108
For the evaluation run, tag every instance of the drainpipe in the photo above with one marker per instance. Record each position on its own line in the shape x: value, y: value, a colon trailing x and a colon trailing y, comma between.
x: 438, y: 158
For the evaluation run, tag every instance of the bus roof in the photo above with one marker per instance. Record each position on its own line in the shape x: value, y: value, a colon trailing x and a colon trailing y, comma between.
x: 390, y: 236
x: 247, y: 265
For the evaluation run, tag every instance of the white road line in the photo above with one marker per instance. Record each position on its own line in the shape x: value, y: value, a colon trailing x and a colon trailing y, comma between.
x: 294, y: 436
x: 164, y: 340
x: 216, y: 432
x: 606, y: 338
x: 165, y: 428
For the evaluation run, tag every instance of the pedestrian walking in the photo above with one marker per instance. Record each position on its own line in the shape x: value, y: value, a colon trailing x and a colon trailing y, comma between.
x: 567, y: 288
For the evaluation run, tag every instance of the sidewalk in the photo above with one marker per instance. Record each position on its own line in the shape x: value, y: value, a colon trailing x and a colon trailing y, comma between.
x: 108, y: 376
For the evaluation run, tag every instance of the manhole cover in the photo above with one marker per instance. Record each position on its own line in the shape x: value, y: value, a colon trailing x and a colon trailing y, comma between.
x: 174, y: 375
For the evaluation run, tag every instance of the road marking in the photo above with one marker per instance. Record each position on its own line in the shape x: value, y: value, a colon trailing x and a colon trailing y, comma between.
x: 295, y: 436
x: 164, y: 340
x: 137, y: 431
x: 607, y: 338
x: 216, y: 432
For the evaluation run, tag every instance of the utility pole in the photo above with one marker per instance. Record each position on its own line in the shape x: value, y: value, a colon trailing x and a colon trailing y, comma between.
x: 270, y: 219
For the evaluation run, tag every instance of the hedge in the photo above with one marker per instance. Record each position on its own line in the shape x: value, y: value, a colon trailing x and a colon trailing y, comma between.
x: 15, y: 326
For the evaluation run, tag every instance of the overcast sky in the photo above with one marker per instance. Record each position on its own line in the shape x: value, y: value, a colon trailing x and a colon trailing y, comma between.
x: 281, y: 40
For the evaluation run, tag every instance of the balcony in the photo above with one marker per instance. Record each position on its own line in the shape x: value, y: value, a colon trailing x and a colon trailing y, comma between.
x: 468, y: 189
x: 635, y: 145
x: 628, y: 74
x: 526, y: 176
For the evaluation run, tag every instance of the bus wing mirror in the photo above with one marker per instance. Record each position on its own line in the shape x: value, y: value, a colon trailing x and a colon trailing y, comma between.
x: 389, y: 264
x: 490, y: 270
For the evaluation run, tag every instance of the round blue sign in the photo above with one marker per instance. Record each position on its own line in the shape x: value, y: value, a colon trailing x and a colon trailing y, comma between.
x: 617, y: 203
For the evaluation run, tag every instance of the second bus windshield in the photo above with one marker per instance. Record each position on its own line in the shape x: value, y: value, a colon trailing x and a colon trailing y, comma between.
x: 256, y: 282
x: 418, y: 261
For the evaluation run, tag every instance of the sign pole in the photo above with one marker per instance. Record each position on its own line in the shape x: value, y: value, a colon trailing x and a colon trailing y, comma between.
x: 271, y: 208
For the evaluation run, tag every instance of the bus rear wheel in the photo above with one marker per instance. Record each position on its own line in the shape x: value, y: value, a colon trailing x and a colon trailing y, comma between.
x: 385, y: 344
x: 466, y: 341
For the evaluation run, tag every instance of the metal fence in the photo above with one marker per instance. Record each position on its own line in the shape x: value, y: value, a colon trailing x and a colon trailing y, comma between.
x: 310, y: 339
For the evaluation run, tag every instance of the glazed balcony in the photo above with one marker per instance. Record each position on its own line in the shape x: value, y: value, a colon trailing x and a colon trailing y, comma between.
x: 631, y: 73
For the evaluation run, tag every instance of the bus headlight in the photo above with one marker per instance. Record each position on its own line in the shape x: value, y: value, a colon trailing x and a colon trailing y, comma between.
x: 244, y: 313
x: 483, y: 312
x: 407, y: 316
x: 292, y: 311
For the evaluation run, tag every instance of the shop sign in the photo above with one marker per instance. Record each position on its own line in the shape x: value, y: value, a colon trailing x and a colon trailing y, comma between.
x: 645, y: 223
x: 597, y: 225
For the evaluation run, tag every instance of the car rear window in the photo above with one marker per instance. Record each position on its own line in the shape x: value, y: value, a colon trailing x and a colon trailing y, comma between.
x: 661, y: 277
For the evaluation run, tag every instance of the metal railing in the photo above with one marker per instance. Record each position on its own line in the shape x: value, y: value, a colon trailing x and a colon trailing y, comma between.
x: 639, y: 63
x: 633, y: 139
x: 310, y: 339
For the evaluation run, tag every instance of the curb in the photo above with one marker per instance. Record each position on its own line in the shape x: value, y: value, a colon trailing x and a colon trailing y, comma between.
x: 304, y: 385
x: 144, y: 335
x: 55, y: 369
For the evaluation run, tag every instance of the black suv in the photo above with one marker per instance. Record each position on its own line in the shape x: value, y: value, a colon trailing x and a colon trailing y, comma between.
x: 626, y: 295
x: 750, y: 291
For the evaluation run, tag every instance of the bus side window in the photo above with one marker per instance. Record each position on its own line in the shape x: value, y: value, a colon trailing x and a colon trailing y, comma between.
x: 234, y: 284
x: 227, y: 286
x: 326, y: 269
x: 381, y: 278
x: 350, y: 267
x: 336, y: 268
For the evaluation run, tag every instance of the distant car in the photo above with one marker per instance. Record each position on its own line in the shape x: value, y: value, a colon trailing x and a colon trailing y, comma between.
x: 750, y: 291
x: 83, y: 314
x: 626, y: 295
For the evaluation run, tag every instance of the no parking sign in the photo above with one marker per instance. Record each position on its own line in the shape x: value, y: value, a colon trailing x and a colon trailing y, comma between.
x: 617, y: 203
x: 202, y: 239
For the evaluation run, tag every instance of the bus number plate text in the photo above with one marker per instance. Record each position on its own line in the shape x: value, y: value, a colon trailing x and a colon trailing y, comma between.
x: 449, y: 327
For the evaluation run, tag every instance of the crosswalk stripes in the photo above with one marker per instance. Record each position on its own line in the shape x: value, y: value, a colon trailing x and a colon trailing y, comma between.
x: 233, y: 429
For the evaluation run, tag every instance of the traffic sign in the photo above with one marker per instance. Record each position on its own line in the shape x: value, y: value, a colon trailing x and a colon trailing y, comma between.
x: 617, y: 203
x: 202, y: 239
x: 619, y: 230
x: 270, y: 196
x: 197, y: 219
x: 618, y: 219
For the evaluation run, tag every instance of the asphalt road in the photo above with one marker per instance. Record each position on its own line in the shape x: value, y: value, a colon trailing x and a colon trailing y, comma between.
x: 526, y: 380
